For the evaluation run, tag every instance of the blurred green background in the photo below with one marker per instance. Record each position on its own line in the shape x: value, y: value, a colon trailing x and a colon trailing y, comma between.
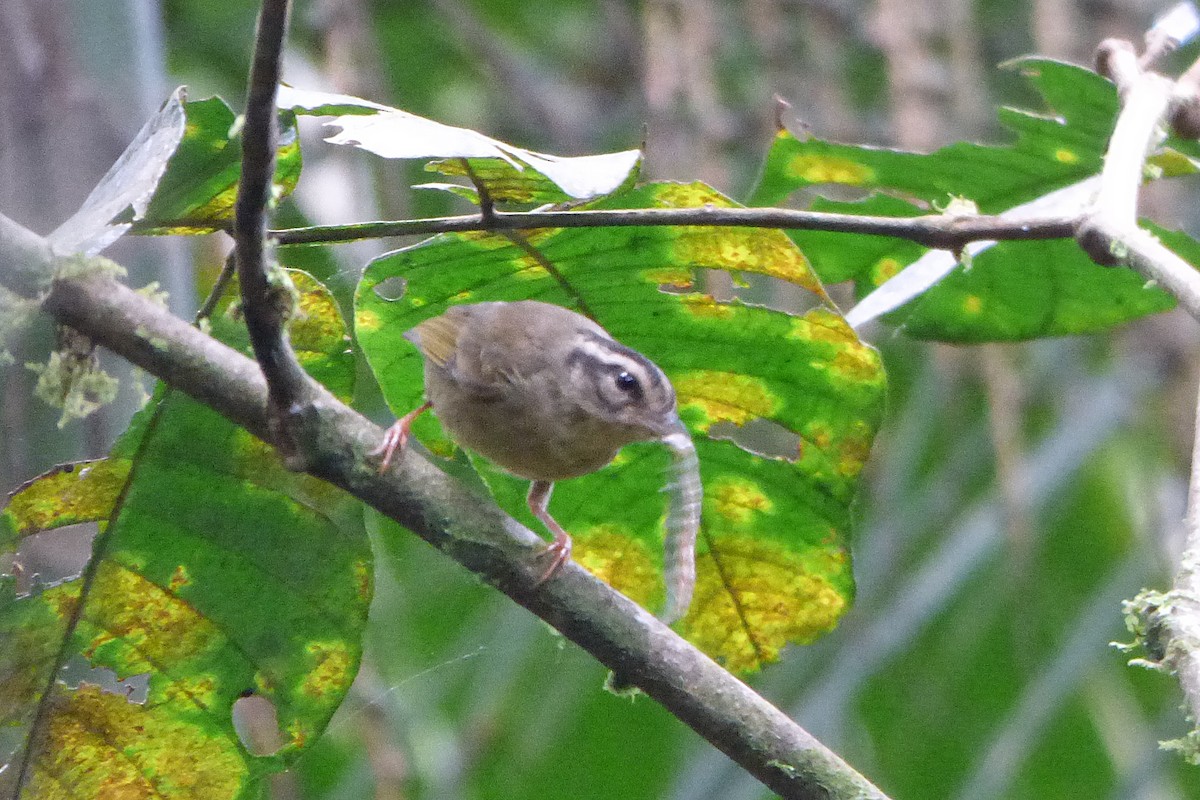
x: 1017, y: 493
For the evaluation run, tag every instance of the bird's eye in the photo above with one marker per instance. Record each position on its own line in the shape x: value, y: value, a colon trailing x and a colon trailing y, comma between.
x: 628, y: 384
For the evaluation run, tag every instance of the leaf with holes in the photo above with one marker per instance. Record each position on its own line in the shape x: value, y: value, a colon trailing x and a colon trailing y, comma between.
x: 773, y: 564
x: 216, y: 573
x: 1011, y: 290
x: 511, y: 174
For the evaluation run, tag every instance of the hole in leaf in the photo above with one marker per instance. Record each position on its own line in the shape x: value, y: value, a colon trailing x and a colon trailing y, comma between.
x: 53, y: 556
x: 78, y: 671
x: 761, y: 437
x: 776, y: 294
x: 257, y: 725
x: 391, y: 288
x: 752, y: 289
x: 720, y: 284
x: 12, y: 738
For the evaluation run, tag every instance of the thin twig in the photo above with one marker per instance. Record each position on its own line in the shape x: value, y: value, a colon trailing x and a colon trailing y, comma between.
x: 219, y: 286
x: 939, y: 231
x: 487, y: 214
x: 265, y: 302
x: 525, y: 246
x: 1185, y: 106
x: 487, y: 206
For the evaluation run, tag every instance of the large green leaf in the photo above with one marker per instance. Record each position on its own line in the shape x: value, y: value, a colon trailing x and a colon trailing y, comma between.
x: 1050, y: 151
x: 217, y: 573
x: 1028, y: 290
x: 773, y: 564
x: 197, y: 192
x: 1014, y: 290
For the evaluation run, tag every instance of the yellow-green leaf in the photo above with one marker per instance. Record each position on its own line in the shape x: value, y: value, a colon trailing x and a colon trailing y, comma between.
x: 773, y: 563
x: 217, y: 574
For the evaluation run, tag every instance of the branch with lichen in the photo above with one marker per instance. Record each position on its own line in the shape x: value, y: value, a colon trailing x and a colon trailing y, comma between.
x: 1166, y: 624
x: 466, y: 527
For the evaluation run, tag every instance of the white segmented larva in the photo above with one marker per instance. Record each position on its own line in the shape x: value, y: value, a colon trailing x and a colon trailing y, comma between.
x: 683, y: 524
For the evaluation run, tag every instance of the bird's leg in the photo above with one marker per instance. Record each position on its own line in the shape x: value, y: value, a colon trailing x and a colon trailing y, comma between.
x: 396, y: 436
x: 560, y: 549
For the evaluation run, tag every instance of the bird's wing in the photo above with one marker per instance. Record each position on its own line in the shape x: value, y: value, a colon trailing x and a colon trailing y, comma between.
x: 437, y: 338
x: 466, y: 354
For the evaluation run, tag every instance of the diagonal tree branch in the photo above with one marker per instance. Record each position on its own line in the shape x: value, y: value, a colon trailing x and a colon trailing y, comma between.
x: 473, y: 531
x: 467, y: 527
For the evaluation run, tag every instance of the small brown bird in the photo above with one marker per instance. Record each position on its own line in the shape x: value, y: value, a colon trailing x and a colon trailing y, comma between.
x: 547, y: 394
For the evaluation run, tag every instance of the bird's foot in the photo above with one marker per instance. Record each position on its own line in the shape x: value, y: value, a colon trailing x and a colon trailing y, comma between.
x: 396, y: 437
x: 558, y: 552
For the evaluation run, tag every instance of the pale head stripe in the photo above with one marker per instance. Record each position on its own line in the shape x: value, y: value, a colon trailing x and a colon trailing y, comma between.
x: 609, y: 352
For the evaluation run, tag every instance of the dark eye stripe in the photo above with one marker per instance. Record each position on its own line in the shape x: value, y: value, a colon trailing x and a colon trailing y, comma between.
x: 609, y: 363
x: 606, y: 360
x: 601, y: 350
x: 589, y: 363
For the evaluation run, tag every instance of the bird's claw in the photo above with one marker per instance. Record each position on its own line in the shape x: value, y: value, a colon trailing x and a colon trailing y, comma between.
x: 395, y: 438
x: 559, y: 552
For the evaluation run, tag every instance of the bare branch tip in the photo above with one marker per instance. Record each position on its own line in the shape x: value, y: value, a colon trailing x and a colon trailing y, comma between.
x: 1185, y: 103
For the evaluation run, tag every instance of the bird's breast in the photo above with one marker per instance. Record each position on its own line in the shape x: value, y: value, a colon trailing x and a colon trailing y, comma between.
x: 519, y: 430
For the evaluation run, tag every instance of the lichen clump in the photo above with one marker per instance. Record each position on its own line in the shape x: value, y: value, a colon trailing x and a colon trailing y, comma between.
x: 72, y: 379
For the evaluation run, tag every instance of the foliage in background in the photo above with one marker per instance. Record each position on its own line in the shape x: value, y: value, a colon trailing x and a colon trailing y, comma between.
x: 974, y: 664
